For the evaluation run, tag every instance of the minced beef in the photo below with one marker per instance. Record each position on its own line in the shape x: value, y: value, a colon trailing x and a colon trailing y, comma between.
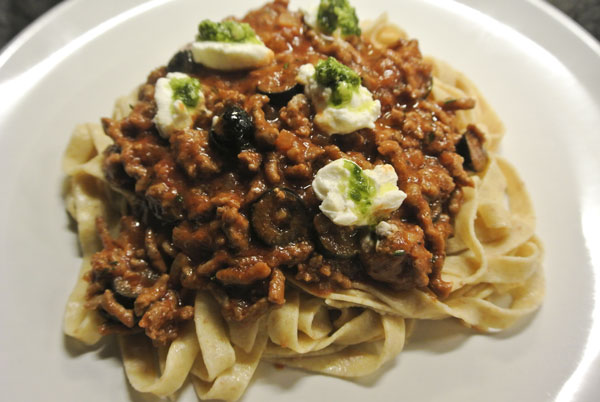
x: 190, y: 223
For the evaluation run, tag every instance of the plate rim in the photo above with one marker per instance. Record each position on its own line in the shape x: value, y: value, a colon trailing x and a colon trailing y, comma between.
x: 37, y: 28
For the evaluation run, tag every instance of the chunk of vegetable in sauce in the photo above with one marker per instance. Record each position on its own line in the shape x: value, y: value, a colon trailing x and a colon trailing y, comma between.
x: 279, y: 217
x: 470, y: 147
x: 181, y: 62
x: 337, y: 241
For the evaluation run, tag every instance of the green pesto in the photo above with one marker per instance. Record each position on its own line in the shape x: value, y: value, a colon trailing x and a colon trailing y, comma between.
x: 334, y: 14
x: 227, y: 31
x: 186, y: 90
x: 361, y: 188
x: 342, y: 80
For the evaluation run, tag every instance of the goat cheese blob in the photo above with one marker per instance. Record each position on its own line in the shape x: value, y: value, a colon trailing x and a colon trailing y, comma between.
x: 342, y: 104
x: 385, y: 229
x: 179, y: 100
x: 229, y: 46
x: 353, y: 196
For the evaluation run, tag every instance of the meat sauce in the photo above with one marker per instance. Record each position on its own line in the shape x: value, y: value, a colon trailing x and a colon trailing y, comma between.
x: 236, y: 218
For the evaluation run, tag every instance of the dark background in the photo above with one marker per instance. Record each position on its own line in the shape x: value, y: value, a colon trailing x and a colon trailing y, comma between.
x: 17, y: 14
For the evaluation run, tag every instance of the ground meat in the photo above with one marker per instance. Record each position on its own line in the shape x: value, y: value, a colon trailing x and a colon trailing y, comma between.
x: 151, y: 294
x: 459, y: 104
x: 156, y: 259
x: 266, y: 132
x: 400, y: 259
x: 272, y: 168
x: 324, y: 274
x: 242, y: 310
x: 197, y: 241
x: 245, y: 272
x: 251, y: 160
x: 436, y: 183
x: 122, y: 273
x: 116, y: 310
x: 289, y: 255
x: 194, y: 223
x: 277, y: 287
x: 161, y: 321
x: 193, y: 153
x: 297, y: 116
x: 235, y: 226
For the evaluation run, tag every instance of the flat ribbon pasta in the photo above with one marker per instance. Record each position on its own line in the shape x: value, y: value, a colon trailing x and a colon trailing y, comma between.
x: 493, y: 264
x: 355, y: 344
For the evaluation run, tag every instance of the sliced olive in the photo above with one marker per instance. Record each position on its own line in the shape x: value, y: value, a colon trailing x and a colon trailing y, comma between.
x: 279, y: 85
x: 182, y: 62
x: 114, y: 170
x: 108, y: 317
x: 279, y: 217
x: 279, y: 95
x: 470, y: 147
x: 232, y: 131
x: 124, y: 293
x: 338, y: 241
x: 162, y: 210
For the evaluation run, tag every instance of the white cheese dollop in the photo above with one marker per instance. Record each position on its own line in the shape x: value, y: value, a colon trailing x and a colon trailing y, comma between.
x: 172, y: 114
x: 360, y: 112
x: 334, y: 183
x: 310, y: 16
x: 228, y: 56
x: 384, y: 229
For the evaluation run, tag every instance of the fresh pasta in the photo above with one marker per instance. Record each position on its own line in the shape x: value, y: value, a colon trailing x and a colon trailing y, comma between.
x: 351, y: 324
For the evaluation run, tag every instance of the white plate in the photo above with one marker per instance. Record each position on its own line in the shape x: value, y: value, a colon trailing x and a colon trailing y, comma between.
x: 70, y: 66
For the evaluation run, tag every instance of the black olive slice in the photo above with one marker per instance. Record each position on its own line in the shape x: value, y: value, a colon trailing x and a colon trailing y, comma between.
x: 182, y: 62
x: 280, y: 95
x: 279, y: 217
x: 338, y: 241
x: 470, y: 147
x: 163, y: 211
x: 115, y: 171
x: 123, y: 290
x: 233, y: 130
x: 280, y: 86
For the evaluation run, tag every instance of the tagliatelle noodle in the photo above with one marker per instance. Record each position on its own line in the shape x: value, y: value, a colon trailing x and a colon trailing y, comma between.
x: 493, y: 263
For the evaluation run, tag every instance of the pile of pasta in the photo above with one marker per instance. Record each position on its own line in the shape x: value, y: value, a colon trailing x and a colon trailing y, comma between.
x: 493, y: 263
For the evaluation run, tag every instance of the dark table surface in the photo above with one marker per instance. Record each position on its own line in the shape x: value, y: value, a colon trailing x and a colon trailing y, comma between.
x: 17, y: 14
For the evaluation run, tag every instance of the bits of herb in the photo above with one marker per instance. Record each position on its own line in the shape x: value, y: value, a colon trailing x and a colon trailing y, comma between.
x: 186, y: 90
x: 399, y: 253
x: 342, y: 80
x: 430, y: 136
x: 226, y: 31
x: 361, y: 188
x: 337, y: 14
